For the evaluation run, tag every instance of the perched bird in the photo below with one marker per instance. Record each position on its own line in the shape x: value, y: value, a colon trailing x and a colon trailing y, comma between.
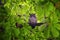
x: 33, y: 21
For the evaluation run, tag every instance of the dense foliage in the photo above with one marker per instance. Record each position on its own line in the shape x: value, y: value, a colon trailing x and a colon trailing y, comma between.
x: 18, y: 11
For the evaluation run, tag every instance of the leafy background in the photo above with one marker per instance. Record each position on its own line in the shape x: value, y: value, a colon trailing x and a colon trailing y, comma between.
x: 46, y: 11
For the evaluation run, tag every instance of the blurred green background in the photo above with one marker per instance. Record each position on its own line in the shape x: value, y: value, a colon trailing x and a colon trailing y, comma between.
x: 10, y: 9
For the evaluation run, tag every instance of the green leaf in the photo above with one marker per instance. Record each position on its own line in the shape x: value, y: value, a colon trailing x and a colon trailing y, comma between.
x: 16, y: 32
x: 57, y: 26
x: 47, y: 32
x: 54, y: 31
